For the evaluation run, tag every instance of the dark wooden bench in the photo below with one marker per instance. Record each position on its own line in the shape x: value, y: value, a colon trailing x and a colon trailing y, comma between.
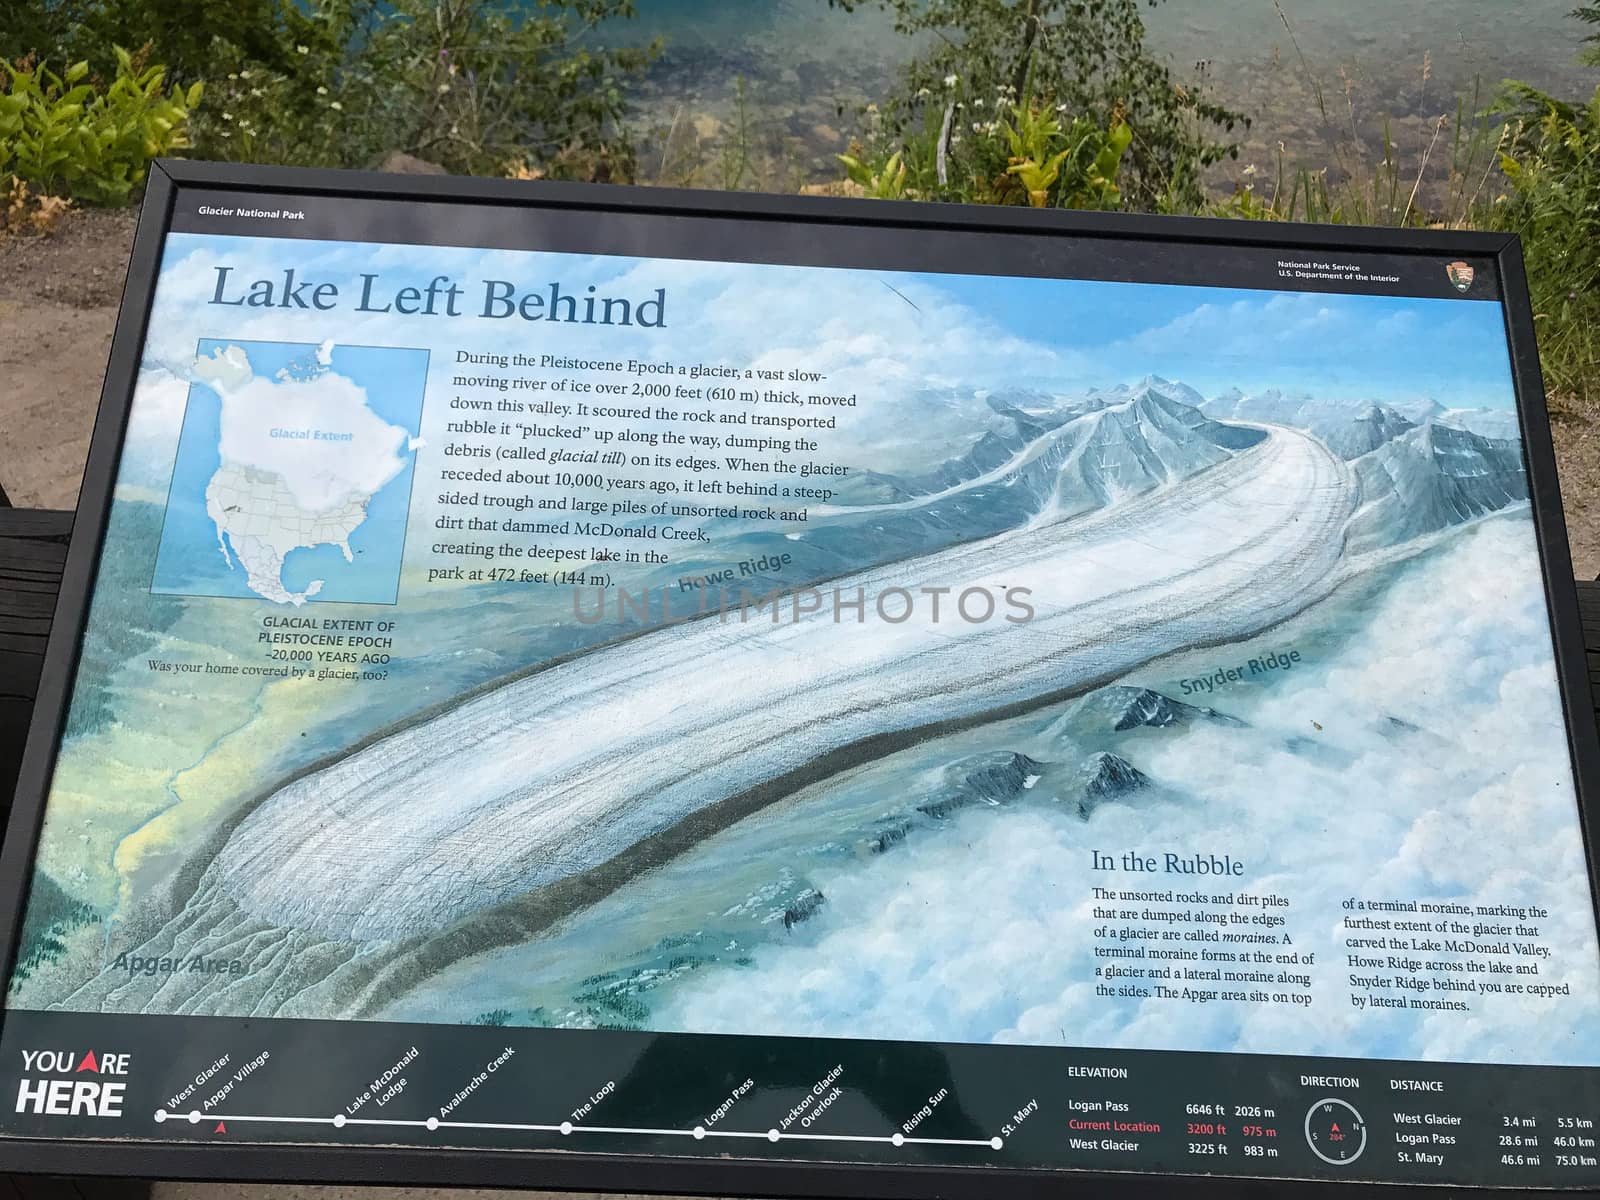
x: 33, y: 549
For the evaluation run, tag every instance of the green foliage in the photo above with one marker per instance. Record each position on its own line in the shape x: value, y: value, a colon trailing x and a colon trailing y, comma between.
x: 51, y: 915
x: 1590, y: 14
x: 1023, y: 154
x: 179, y: 33
x: 123, y: 565
x: 69, y: 134
x: 885, y: 180
x: 1552, y: 160
x: 1085, y: 57
x: 466, y: 84
x: 1438, y: 182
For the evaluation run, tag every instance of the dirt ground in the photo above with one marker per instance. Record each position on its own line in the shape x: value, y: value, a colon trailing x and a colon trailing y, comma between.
x: 58, y: 303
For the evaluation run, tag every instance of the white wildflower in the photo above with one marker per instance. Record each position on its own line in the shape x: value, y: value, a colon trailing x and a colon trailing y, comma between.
x: 949, y: 81
x: 977, y: 127
x: 336, y: 106
x: 322, y: 91
x: 302, y: 49
x: 443, y: 88
x: 923, y: 93
x: 977, y: 102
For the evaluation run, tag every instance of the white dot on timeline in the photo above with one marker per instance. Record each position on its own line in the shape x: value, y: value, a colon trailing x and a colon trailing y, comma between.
x: 772, y: 1135
x: 899, y: 1139
x: 338, y: 1121
x: 194, y: 1116
x: 161, y: 1115
x: 566, y: 1127
x: 433, y: 1122
x: 699, y: 1133
x: 996, y: 1143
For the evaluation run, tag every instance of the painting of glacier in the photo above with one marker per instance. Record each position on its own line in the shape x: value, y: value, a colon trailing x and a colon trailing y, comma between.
x: 871, y: 829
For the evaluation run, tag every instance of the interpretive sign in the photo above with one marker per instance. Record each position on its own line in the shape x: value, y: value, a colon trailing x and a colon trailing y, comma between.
x: 617, y: 688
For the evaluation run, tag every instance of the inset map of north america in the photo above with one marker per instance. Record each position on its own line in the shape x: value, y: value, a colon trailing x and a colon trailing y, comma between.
x: 293, y: 474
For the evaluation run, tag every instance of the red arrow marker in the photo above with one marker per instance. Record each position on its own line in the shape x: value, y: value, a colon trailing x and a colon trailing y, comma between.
x: 221, y: 1127
x: 89, y: 1063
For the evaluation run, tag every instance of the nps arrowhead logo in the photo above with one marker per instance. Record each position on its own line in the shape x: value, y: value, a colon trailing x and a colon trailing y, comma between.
x: 68, y: 1094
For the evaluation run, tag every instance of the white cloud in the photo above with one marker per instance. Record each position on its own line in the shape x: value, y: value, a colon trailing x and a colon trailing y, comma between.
x: 983, y: 933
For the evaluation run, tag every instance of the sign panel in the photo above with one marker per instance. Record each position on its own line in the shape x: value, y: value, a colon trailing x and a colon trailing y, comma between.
x: 797, y: 697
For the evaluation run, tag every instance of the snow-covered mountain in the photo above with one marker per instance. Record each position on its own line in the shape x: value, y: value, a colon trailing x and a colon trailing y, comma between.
x: 1055, y: 463
x: 1422, y: 466
x: 1349, y: 430
x: 1431, y: 477
x: 1122, y: 392
x: 1498, y: 423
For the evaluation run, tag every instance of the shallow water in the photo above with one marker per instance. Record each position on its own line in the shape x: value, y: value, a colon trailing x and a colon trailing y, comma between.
x: 808, y: 67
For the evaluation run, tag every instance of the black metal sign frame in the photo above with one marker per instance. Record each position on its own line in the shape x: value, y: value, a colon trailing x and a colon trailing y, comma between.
x: 769, y: 229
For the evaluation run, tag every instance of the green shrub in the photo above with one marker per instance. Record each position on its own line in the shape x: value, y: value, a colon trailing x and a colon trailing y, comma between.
x: 69, y: 134
x: 1084, y: 57
x: 1019, y: 152
x: 182, y: 34
x: 466, y: 84
x: 1552, y: 160
x: 1590, y: 15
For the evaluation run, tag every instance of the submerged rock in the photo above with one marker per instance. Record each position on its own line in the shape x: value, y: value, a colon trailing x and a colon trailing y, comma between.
x: 1111, y: 775
x: 1119, y: 709
x: 891, y: 833
x: 804, y: 906
x: 1106, y: 777
x: 1317, y: 751
x: 1145, y: 706
x: 993, y: 778
x: 1392, y: 726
